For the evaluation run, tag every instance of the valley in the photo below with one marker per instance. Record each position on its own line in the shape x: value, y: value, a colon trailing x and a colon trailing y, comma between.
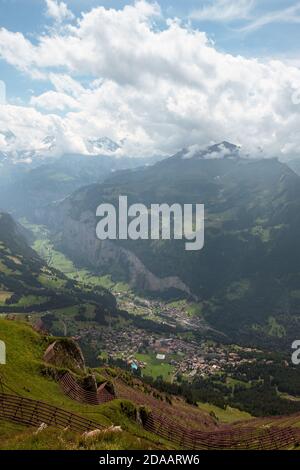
x: 245, y: 280
x: 149, y: 229
x: 135, y: 415
x: 166, y: 342
x: 123, y: 338
x: 190, y: 330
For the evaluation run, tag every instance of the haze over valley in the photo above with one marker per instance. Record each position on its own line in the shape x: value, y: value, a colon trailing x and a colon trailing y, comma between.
x: 138, y: 340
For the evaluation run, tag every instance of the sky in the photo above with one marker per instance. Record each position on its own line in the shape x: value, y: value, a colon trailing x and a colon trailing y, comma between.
x: 152, y: 76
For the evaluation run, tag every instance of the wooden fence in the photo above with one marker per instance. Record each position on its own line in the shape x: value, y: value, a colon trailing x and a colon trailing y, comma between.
x: 34, y: 412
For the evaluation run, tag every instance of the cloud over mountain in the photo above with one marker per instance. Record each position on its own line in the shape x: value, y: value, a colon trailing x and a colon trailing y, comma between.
x: 154, y: 83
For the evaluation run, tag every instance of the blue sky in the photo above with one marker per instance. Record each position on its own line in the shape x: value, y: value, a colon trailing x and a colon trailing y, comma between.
x: 279, y: 39
x: 28, y: 16
x: 195, y: 54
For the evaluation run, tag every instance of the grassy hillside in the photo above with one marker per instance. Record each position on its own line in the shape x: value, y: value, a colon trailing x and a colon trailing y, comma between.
x: 28, y: 376
x: 25, y: 375
x: 28, y: 285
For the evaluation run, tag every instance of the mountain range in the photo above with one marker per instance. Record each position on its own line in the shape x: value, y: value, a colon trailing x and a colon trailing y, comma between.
x: 246, y: 278
x: 27, y: 186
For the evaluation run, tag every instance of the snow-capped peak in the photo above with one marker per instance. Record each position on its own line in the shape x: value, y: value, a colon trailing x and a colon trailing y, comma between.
x: 216, y: 151
x: 102, y: 145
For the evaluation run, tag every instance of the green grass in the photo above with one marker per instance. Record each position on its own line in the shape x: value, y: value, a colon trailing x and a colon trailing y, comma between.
x: 271, y: 328
x: 28, y: 300
x: 286, y: 396
x: 177, y: 304
x: 24, y: 374
x: 56, y: 259
x: 9, y: 429
x: 4, y: 269
x: 233, y: 382
x: 53, y: 439
x: 229, y: 415
x: 69, y: 311
x: 59, y: 261
x: 195, y: 310
x: 51, y: 282
x: 37, y: 283
x: 275, y: 329
x: 155, y: 367
x: 4, y: 295
x: 192, y: 309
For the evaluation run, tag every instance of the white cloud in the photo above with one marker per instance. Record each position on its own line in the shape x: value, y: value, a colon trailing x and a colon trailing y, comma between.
x: 287, y: 15
x: 224, y: 10
x: 63, y: 83
x: 230, y: 10
x: 192, y: 151
x: 54, y: 101
x: 58, y: 11
x: 31, y: 127
x: 156, y: 89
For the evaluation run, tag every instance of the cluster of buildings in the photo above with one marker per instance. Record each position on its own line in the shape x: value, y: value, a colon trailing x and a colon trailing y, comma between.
x: 188, y: 358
